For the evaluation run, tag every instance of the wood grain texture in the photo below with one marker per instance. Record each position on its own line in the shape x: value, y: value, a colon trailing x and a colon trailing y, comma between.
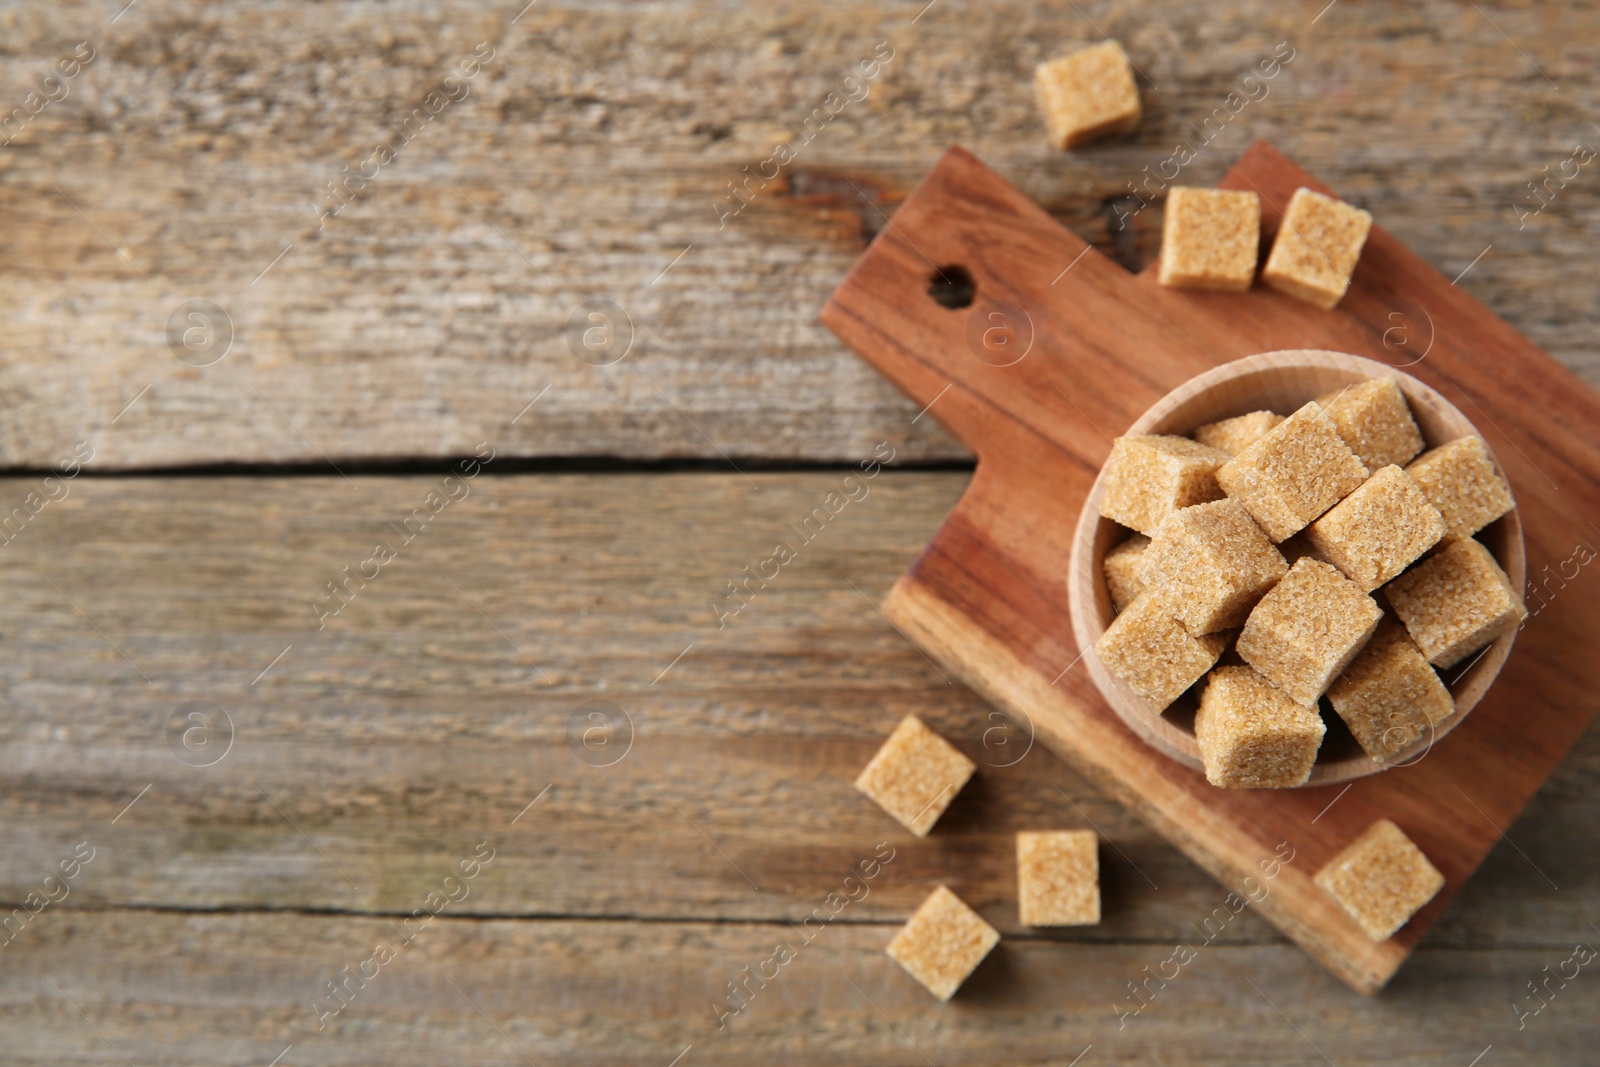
x: 409, y: 730
x: 615, y: 992
x: 595, y: 149
x: 989, y: 597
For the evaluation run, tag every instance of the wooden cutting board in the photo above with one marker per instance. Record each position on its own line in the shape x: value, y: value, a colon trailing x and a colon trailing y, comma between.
x: 1097, y: 345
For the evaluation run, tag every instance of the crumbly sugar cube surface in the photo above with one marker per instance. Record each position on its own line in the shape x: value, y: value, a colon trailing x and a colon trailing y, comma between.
x: 1121, y: 567
x: 1153, y: 654
x: 1379, y: 530
x: 1210, y: 563
x: 1459, y: 478
x: 1375, y: 421
x: 1087, y: 94
x: 1253, y: 735
x: 1298, y: 470
x: 1210, y: 239
x: 1455, y: 602
x: 942, y: 943
x: 1150, y: 475
x: 1238, y: 433
x: 1308, y: 629
x: 1316, y: 249
x: 1380, y: 880
x: 915, y: 775
x: 1058, y: 878
x: 1389, y: 696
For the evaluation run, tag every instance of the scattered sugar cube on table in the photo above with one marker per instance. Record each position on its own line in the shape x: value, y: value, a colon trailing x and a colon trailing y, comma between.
x: 1379, y: 530
x: 1210, y: 239
x: 1455, y: 602
x: 1459, y: 478
x: 1238, y: 433
x: 942, y: 943
x: 915, y: 775
x: 1315, y: 252
x: 1153, y: 654
x: 1087, y: 94
x: 1252, y: 734
x: 1121, y: 567
x: 1375, y: 421
x: 1058, y: 878
x: 1381, y: 880
x: 1210, y: 563
x: 1148, y: 476
x: 1298, y: 470
x: 1389, y: 696
x: 1308, y: 629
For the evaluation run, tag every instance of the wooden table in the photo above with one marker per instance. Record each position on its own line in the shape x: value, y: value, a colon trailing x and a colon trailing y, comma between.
x: 540, y: 679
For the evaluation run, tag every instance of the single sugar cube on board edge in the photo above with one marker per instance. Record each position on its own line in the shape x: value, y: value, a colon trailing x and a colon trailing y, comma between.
x: 1210, y: 239
x: 1121, y: 567
x: 1455, y: 602
x: 1300, y: 469
x: 915, y: 775
x: 1210, y: 563
x: 1238, y: 433
x: 1148, y: 476
x: 1379, y: 530
x: 1253, y: 735
x: 1375, y: 421
x: 1315, y: 252
x: 1153, y: 654
x: 942, y: 943
x: 1087, y: 94
x: 1459, y: 478
x: 1389, y: 696
x: 1308, y: 629
x: 1058, y: 878
x: 1381, y: 880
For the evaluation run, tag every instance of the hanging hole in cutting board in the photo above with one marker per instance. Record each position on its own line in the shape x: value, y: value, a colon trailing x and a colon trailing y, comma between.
x: 952, y: 287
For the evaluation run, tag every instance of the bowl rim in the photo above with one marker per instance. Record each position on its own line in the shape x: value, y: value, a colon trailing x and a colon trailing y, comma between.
x: 1089, y: 603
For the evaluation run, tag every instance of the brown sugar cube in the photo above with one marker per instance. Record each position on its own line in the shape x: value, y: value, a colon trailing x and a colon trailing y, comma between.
x: 1210, y: 239
x: 915, y: 775
x: 942, y: 943
x: 1380, y: 880
x: 1238, y: 433
x: 1377, y: 531
x: 1375, y: 421
x: 1210, y: 564
x: 1087, y: 94
x: 1252, y: 734
x: 1153, y: 654
x: 1455, y: 602
x: 1389, y: 696
x: 1297, y: 471
x: 1308, y: 629
x: 1058, y: 878
x: 1150, y: 475
x: 1459, y: 478
x: 1121, y: 567
x: 1316, y: 249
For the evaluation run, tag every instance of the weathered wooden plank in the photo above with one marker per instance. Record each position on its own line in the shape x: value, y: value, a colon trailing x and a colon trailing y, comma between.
x: 91, y: 988
x: 412, y: 727
x: 595, y: 147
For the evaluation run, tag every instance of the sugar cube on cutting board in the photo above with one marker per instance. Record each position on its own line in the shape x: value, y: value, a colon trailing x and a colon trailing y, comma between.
x: 1380, y: 880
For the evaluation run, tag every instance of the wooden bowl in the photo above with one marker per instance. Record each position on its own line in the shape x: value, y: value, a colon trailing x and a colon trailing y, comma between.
x: 1281, y: 382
